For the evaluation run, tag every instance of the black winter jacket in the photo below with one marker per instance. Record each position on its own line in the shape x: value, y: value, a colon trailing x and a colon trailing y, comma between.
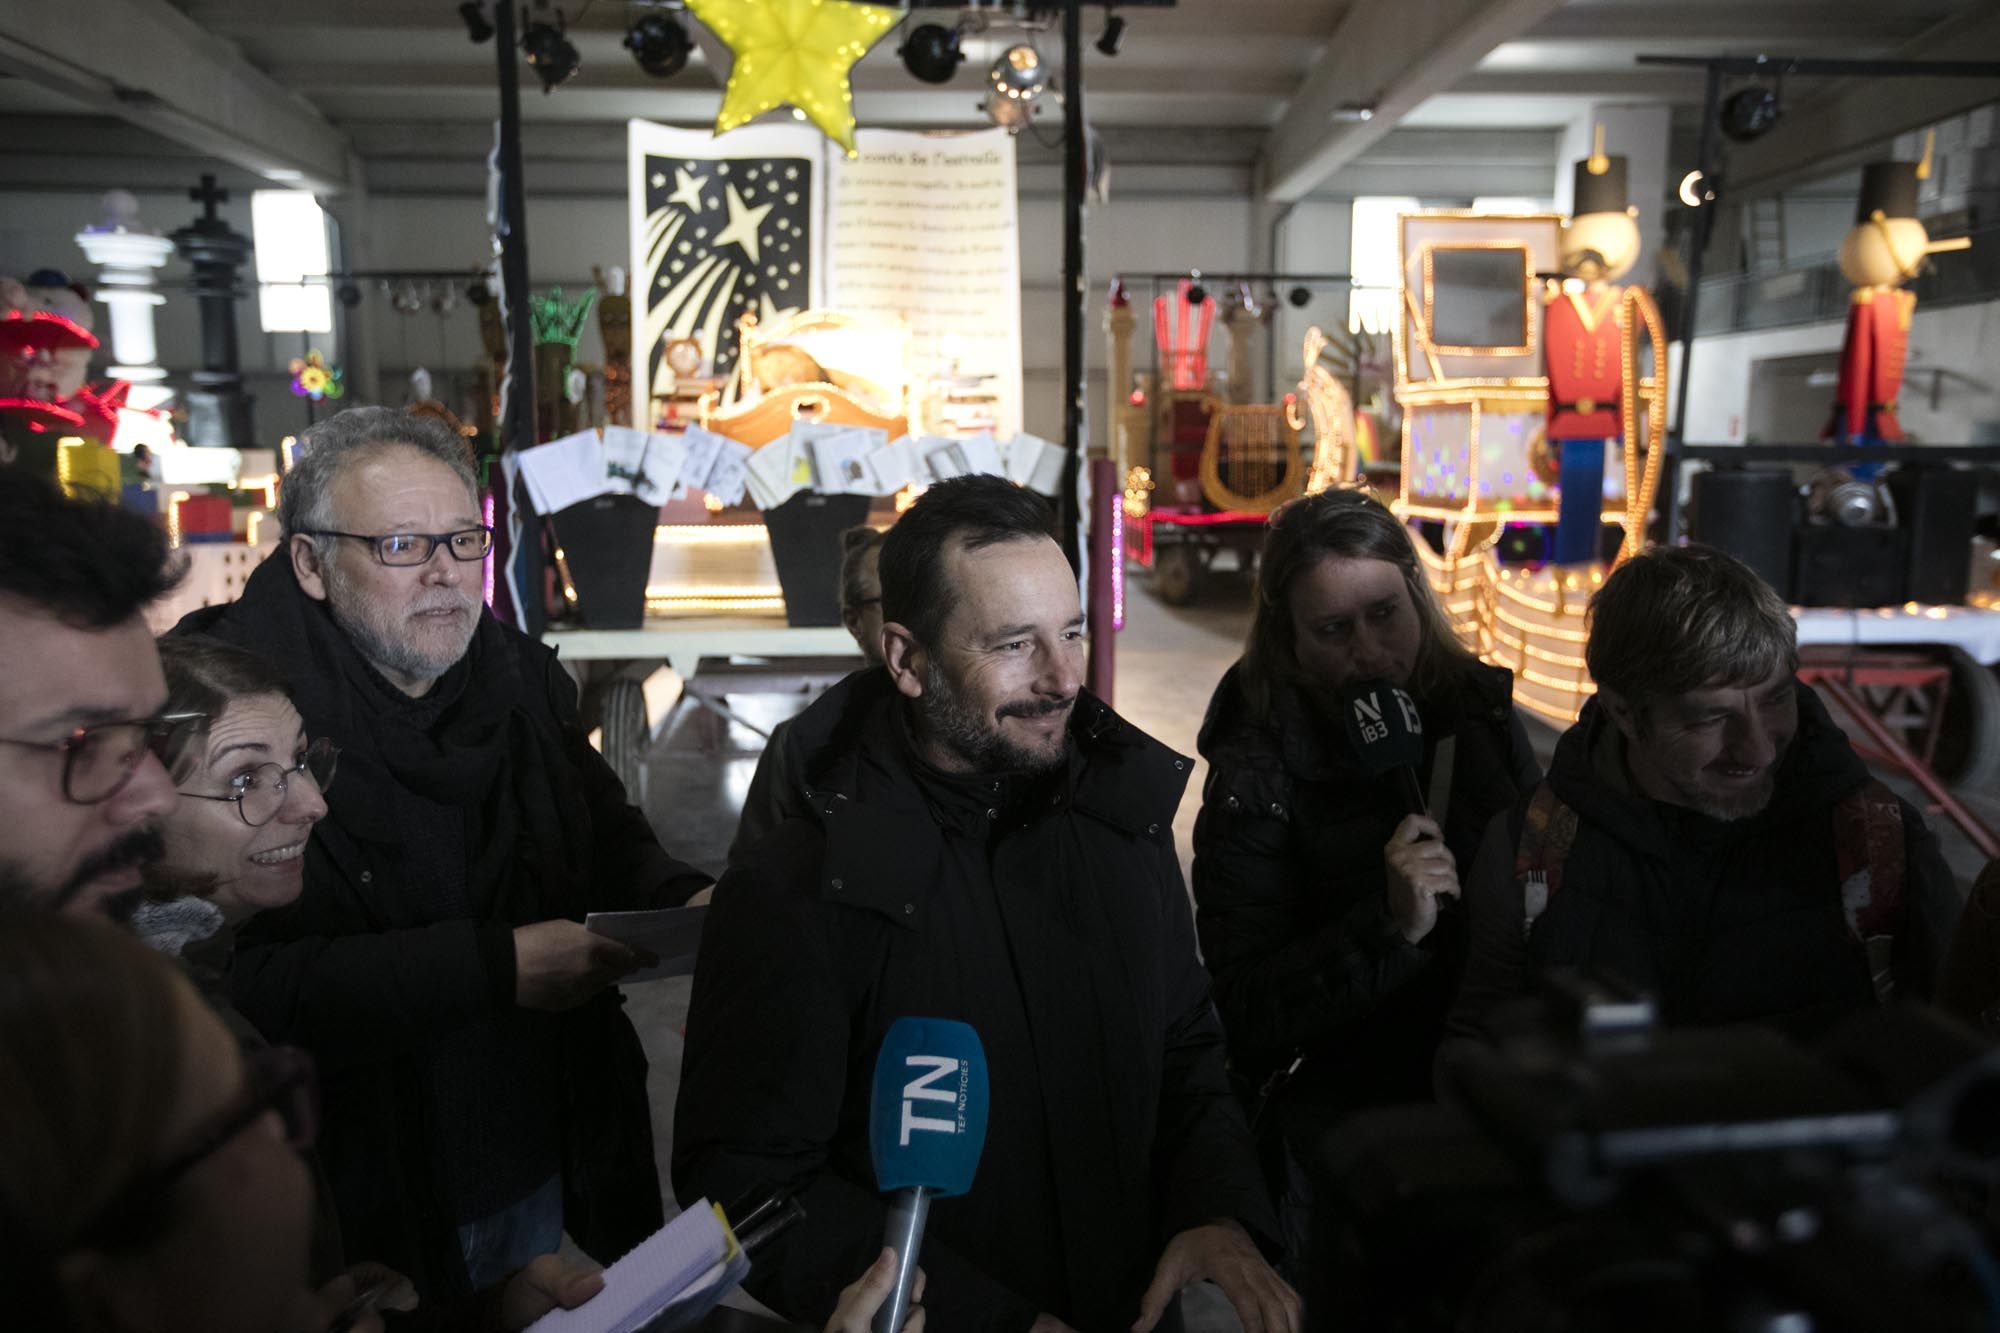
x: 1721, y: 921
x: 1290, y: 888
x: 1047, y: 913
x: 360, y: 974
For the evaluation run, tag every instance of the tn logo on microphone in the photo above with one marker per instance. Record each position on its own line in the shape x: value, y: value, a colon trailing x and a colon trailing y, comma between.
x: 926, y: 1087
x: 1368, y: 718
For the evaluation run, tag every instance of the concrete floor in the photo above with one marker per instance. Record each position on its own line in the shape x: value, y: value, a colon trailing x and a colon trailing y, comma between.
x: 1169, y: 659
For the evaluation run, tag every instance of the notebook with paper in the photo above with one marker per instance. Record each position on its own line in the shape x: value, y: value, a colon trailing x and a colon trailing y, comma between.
x: 669, y: 1281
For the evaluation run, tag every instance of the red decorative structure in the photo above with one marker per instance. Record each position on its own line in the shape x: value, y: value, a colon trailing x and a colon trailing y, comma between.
x: 1180, y: 329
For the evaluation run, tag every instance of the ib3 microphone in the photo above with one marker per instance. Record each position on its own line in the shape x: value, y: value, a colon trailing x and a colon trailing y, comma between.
x: 1386, y: 733
x: 926, y: 1126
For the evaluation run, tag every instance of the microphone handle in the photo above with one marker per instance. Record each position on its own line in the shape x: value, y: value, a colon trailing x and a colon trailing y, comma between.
x: 904, y: 1233
x: 1413, y: 795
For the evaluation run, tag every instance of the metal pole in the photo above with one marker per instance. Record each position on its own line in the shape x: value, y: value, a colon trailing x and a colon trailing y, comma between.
x: 1669, y: 526
x: 1075, y: 172
x: 512, y: 509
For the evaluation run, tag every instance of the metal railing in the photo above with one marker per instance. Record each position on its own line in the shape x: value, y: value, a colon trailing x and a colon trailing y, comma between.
x: 1813, y: 291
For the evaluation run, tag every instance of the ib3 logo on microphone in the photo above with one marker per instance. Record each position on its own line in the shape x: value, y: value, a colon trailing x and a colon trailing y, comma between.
x: 927, y: 1118
x: 1368, y: 717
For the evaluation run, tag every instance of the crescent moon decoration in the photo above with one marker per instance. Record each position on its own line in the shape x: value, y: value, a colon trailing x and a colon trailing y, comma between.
x: 1690, y: 194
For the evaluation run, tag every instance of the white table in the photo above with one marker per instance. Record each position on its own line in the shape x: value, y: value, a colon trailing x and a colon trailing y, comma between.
x: 610, y: 666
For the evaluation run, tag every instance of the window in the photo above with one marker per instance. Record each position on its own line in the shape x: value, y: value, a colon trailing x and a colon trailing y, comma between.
x: 1375, y: 263
x: 289, y: 229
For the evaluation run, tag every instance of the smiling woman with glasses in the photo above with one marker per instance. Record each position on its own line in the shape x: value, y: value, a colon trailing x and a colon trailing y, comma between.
x: 251, y: 786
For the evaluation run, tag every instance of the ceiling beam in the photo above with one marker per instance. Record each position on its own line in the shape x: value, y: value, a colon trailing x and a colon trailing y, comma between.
x: 1763, y: 21
x: 1623, y: 85
x: 146, y: 62
x: 1831, y: 125
x: 1392, y: 56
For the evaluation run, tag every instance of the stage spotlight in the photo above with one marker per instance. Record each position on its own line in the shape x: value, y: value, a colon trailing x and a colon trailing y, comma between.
x: 659, y: 44
x: 1196, y: 293
x: 477, y: 26
x: 1749, y: 113
x: 931, y: 53
x: 349, y: 294
x: 1300, y: 297
x: 1019, y: 73
x: 479, y: 293
x: 1114, y: 32
x: 551, y: 54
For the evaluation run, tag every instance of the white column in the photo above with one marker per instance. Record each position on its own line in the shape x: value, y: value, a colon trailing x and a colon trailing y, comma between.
x: 129, y: 256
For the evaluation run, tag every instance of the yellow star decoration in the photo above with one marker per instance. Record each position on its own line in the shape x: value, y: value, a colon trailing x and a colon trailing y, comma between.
x: 794, y: 51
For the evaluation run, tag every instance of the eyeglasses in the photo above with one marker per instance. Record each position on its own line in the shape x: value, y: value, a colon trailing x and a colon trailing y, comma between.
x: 260, y: 793
x: 277, y: 1078
x: 416, y: 548
x: 98, y: 761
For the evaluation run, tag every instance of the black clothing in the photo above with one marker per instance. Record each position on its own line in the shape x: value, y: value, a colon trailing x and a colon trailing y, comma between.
x: 1720, y: 921
x: 1049, y: 914
x: 395, y: 967
x: 1290, y: 888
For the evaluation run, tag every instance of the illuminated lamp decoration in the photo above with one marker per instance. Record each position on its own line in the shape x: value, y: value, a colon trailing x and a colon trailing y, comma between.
x: 313, y: 378
x: 1138, y: 487
x: 796, y: 53
x: 102, y: 410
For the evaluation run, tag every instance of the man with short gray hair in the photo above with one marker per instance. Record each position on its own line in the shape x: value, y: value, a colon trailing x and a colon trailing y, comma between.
x: 483, y: 1089
x: 1706, y: 834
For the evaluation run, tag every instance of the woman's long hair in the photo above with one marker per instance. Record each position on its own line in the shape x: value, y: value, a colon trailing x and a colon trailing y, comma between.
x: 1341, y: 523
x: 90, y: 1061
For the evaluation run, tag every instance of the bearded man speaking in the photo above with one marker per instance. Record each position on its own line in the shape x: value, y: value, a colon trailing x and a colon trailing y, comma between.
x: 984, y: 842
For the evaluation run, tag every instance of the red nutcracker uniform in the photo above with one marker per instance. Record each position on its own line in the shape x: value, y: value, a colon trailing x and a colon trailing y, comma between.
x: 1871, y: 366
x: 1585, y: 355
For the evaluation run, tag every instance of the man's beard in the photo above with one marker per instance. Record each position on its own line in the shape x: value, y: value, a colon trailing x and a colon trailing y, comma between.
x: 945, y: 717
x: 140, y: 847
x: 1735, y: 805
x: 380, y: 643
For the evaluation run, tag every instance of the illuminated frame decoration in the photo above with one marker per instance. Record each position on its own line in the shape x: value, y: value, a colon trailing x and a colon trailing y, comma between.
x: 1530, y: 331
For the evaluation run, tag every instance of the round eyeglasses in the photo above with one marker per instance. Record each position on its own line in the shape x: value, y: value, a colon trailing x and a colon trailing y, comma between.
x: 259, y: 793
x: 98, y: 761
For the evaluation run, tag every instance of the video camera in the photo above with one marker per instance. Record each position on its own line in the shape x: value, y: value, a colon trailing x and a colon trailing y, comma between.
x: 1589, y: 1171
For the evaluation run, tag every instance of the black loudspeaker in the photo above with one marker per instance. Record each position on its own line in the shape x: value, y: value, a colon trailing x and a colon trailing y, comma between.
x: 805, y: 544
x: 1843, y: 566
x: 1935, y: 508
x: 607, y: 546
x: 1748, y: 512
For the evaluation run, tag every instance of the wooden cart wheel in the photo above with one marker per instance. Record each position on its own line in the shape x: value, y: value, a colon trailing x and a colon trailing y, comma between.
x: 622, y: 717
x: 1176, y: 570
x: 1968, y: 734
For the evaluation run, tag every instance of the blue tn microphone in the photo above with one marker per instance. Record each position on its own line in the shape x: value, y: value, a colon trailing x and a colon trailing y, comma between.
x: 926, y: 1126
x: 1386, y: 734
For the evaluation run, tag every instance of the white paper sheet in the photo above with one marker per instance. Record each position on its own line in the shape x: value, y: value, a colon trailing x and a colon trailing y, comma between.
x: 982, y: 454
x: 840, y: 460
x: 702, y: 446
x: 646, y: 464
x: 725, y: 478
x: 670, y: 934
x: 656, y: 1272
x: 565, y: 471
x: 771, y: 471
x: 895, y: 465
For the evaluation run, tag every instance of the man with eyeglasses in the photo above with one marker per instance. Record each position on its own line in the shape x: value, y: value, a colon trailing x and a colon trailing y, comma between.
x: 484, y: 1090
x: 81, y: 794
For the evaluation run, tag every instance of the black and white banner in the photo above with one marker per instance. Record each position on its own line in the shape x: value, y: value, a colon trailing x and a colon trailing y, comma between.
x: 721, y: 224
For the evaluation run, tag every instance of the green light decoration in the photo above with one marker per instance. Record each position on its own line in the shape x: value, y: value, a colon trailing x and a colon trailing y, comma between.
x: 556, y: 319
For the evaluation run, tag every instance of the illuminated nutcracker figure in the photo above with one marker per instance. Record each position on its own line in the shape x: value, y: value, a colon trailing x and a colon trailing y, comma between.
x: 1884, y: 249
x: 1588, y: 346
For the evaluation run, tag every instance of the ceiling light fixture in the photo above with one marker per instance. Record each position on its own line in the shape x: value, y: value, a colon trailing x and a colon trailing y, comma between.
x: 931, y: 53
x: 1019, y: 73
x: 550, y: 53
x: 658, y: 43
x: 1114, y: 32
x: 1353, y: 111
x: 477, y: 26
x: 1750, y: 113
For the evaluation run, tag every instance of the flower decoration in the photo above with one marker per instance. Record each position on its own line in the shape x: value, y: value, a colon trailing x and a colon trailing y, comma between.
x: 313, y: 378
